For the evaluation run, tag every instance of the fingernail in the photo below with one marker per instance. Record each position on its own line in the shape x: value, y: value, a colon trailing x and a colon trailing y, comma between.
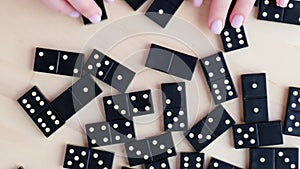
x: 109, y: 1
x: 198, y: 3
x: 216, y: 27
x: 74, y: 14
x: 237, y: 21
x: 95, y: 18
x: 283, y: 3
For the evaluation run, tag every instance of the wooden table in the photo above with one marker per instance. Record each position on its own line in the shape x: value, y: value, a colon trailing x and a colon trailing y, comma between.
x: 126, y: 36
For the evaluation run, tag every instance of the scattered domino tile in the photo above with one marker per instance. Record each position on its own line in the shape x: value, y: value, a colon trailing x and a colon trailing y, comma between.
x: 135, y: 4
x: 108, y: 133
x: 292, y: 123
x: 254, y: 85
x: 109, y: 71
x: 138, y: 152
x: 140, y: 103
x: 269, y: 11
x: 100, y: 159
x: 122, y: 131
x: 215, y: 163
x: 76, y: 97
x: 255, y: 101
x: 257, y: 134
x: 40, y: 111
x: 33, y: 102
x: 77, y: 157
x: 218, y: 78
x: 191, y: 160
x: 234, y: 38
x: 161, y: 164
x: 257, y: 2
x: 48, y: 121
x: 128, y: 105
x: 162, y: 146
x: 173, y: 95
x: 171, y: 62
x: 293, y: 99
x: 292, y: 119
x: 175, y: 109
x: 58, y: 62
x: 292, y: 13
x: 209, y: 128
x: 246, y: 136
x: 98, y: 134
x: 104, y: 16
x: 274, y: 158
x: 116, y: 107
x: 150, y: 150
x: 161, y: 12
x: 175, y: 120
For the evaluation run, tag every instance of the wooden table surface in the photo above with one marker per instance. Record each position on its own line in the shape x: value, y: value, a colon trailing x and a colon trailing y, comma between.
x: 126, y: 36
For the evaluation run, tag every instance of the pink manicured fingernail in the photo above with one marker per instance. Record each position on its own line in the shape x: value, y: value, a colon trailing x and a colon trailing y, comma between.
x: 237, y: 21
x: 283, y: 3
x: 74, y: 14
x: 216, y: 27
x: 109, y: 1
x: 198, y: 3
x: 95, y: 18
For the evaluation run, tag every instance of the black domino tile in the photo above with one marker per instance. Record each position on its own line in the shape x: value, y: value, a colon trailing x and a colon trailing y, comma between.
x: 119, y: 77
x: 257, y: 2
x: 255, y: 110
x: 218, y: 164
x: 69, y: 107
x: 183, y: 65
x: 269, y: 11
x: 254, y: 86
x: 292, y: 14
x: 85, y: 90
x: 234, y: 38
x: 135, y: 4
x: 262, y: 158
x: 287, y: 158
x: 192, y: 160
x: 159, y: 58
x: 270, y: 133
x: 100, y: 159
x: 104, y: 16
x: 76, y: 157
x: 46, y: 60
x: 70, y: 63
x: 162, y: 146
x: 48, y: 121
x: 292, y: 124
x: 33, y: 101
x: 161, y: 12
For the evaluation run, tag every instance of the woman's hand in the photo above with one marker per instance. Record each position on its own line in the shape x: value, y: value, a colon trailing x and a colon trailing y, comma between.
x: 219, y: 9
x: 75, y: 8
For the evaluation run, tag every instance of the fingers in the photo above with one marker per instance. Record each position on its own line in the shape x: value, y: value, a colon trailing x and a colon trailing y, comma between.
x: 240, y: 12
x: 198, y: 3
x: 73, y: 8
x: 217, y: 15
x: 63, y: 7
x: 282, y: 3
x: 88, y: 8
